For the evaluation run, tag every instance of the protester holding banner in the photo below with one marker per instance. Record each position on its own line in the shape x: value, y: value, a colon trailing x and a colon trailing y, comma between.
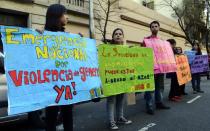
x: 159, y: 78
x: 175, y: 90
x: 174, y: 94
x: 208, y: 76
x: 116, y: 102
x: 196, y: 76
x: 56, y: 19
x: 182, y: 87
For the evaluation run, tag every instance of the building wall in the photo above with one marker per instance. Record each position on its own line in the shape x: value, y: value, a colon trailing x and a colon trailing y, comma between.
x: 135, y: 19
x: 36, y: 11
x: 160, y: 7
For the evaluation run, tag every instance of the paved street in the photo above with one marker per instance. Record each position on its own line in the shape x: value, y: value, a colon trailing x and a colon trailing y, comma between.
x: 188, y: 115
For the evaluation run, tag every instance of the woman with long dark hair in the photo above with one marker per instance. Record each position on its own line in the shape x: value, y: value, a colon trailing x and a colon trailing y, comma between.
x: 196, y: 78
x: 116, y: 102
x: 173, y: 93
x: 176, y: 90
x: 56, y: 19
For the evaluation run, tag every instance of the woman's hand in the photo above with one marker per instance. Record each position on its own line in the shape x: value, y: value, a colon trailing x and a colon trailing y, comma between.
x: 81, y: 35
x: 40, y: 31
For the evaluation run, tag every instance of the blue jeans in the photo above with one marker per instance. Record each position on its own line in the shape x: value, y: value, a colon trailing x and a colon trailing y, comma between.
x: 149, y: 96
x: 112, y: 103
x: 159, y: 88
x: 196, y: 79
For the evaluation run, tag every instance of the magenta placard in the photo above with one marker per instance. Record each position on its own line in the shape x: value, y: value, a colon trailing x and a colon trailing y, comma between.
x: 164, y: 57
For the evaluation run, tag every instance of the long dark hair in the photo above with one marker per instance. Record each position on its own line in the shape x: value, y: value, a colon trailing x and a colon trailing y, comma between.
x: 114, y: 33
x: 172, y: 41
x: 54, y: 13
x: 199, y: 52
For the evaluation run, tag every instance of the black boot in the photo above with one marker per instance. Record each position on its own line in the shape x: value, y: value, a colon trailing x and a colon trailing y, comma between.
x: 162, y: 106
x: 150, y: 112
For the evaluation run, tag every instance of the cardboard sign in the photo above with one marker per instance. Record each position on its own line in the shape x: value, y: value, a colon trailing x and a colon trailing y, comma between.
x: 125, y: 70
x: 200, y: 64
x: 52, y: 68
x: 164, y: 61
x: 190, y: 56
x: 183, y: 69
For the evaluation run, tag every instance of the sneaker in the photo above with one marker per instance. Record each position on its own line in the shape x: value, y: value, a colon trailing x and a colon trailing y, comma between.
x: 162, y: 106
x: 174, y: 99
x: 184, y: 93
x: 150, y: 112
x: 178, y: 97
x: 124, y: 121
x: 113, y: 126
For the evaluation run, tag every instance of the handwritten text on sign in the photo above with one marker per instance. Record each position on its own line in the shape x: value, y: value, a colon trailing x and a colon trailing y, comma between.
x: 183, y: 69
x: 200, y: 64
x: 124, y: 69
x: 48, y: 69
x: 164, y: 61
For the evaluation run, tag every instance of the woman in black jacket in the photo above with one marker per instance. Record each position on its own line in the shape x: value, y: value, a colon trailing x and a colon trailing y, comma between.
x: 196, y: 78
x: 56, y: 19
x: 174, y: 93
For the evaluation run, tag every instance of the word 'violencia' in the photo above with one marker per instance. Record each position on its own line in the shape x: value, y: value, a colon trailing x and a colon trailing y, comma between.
x: 21, y: 78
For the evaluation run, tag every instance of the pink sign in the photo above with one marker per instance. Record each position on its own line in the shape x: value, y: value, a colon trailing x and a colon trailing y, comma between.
x: 163, y: 55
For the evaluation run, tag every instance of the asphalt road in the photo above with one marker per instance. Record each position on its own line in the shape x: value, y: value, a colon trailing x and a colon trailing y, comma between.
x: 191, y: 114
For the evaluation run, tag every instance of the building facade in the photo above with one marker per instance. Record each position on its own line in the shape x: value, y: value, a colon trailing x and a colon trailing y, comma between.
x: 31, y: 13
x: 133, y: 18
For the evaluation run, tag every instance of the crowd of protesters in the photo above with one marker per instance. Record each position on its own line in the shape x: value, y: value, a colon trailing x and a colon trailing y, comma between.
x: 56, y: 19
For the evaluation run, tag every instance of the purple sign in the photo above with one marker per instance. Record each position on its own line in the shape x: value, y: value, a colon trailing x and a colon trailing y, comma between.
x: 200, y: 64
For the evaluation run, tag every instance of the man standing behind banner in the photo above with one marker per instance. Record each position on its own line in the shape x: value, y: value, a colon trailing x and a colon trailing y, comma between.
x: 159, y: 79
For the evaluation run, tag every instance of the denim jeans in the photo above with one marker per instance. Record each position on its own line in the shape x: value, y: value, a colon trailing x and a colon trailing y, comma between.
x: 159, y: 88
x: 115, y: 102
x: 196, y: 79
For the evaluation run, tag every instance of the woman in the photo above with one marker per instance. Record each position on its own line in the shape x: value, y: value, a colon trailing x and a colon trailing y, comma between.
x: 56, y: 19
x: 196, y: 77
x: 208, y: 76
x: 116, y: 102
x: 174, y: 93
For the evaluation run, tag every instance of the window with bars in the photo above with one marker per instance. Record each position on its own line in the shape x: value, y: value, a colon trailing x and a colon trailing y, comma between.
x: 79, y: 3
x: 149, y: 4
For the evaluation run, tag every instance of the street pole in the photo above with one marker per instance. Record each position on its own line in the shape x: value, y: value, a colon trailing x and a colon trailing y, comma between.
x: 91, y: 20
x: 207, y: 27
